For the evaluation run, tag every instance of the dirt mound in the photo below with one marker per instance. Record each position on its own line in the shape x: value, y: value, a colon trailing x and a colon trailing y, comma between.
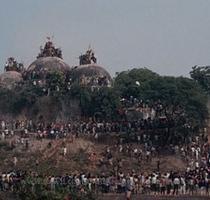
x: 47, y: 157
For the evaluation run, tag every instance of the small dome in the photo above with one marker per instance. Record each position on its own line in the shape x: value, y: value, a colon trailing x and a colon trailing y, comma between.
x: 91, y: 74
x: 44, y: 65
x: 10, y: 79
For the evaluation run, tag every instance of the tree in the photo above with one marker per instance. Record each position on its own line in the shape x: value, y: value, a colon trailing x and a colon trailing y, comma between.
x: 171, y: 91
x: 55, y: 81
x: 36, y: 189
x: 202, y: 76
x: 96, y: 101
x: 105, y: 101
x: 127, y: 82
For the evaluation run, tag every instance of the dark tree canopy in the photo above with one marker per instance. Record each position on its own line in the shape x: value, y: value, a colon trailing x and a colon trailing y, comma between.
x: 202, y: 76
x: 103, y: 102
x: 128, y: 82
x: 172, y: 91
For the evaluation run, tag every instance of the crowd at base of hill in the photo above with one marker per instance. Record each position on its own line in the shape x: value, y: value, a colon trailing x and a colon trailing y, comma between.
x: 190, y: 182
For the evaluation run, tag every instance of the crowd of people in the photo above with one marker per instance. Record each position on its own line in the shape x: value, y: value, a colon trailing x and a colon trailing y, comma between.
x: 155, y: 127
x: 195, y: 180
x: 191, y: 182
x: 49, y: 50
x: 156, y: 131
x: 142, y: 140
x: 13, y: 65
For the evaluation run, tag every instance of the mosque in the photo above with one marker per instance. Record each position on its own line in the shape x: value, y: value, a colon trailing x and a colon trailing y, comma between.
x: 50, y: 59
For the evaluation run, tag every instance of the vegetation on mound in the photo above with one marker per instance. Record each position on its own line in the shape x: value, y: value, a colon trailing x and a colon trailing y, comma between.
x: 171, y: 91
x: 105, y: 102
x: 36, y: 189
x: 202, y: 76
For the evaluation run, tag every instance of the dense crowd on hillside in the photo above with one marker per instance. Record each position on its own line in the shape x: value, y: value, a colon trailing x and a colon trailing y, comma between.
x: 146, y: 137
x: 194, y: 181
x: 142, y: 131
x: 155, y: 122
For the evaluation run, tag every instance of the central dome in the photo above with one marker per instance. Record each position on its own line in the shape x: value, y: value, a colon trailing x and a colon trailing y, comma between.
x: 91, y: 74
x: 90, y: 70
x: 44, y: 65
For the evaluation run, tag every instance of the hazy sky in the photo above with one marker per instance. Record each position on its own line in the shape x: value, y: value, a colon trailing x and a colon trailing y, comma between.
x: 167, y: 36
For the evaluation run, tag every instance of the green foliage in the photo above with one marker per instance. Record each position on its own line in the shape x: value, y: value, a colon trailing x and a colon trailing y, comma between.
x: 202, y: 76
x: 182, y: 92
x: 192, y: 98
x: 14, y: 101
x: 6, y: 100
x: 55, y: 81
x: 102, y: 102
x: 172, y: 91
x: 107, y: 101
x: 127, y: 81
x: 11, y: 101
x: 38, y: 189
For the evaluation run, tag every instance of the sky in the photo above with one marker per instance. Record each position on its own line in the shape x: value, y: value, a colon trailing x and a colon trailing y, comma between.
x: 166, y: 36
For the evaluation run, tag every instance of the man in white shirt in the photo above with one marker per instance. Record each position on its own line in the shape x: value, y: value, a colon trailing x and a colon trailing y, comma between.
x: 64, y: 151
x: 176, y: 183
